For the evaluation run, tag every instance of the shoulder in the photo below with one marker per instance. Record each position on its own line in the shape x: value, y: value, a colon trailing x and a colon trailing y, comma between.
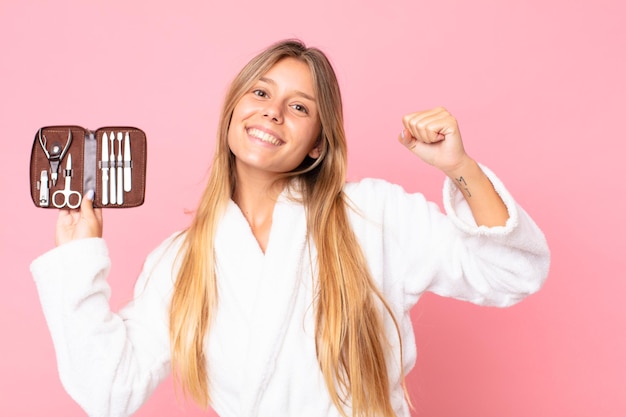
x: 368, y: 187
x: 375, y: 192
x: 169, y: 247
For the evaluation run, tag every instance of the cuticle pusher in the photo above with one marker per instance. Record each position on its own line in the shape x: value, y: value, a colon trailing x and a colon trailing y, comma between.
x: 120, y: 178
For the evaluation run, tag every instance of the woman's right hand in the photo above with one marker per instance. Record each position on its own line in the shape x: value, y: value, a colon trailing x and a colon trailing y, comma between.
x: 80, y: 223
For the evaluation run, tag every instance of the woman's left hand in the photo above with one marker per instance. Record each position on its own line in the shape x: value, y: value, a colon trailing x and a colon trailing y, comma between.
x: 434, y: 136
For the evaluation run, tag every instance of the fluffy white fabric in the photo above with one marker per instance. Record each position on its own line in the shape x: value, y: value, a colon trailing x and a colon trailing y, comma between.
x: 261, y: 349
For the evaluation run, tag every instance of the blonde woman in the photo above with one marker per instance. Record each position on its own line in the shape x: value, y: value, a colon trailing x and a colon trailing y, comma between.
x: 290, y: 292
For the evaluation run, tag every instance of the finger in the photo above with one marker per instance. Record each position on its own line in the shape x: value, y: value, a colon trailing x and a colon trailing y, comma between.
x: 86, y: 204
x: 86, y: 207
x: 432, y: 126
x: 98, y: 213
x: 406, y: 139
x: 411, y: 143
x: 414, y: 124
x: 91, y: 214
x: 428, y: 128
x: 434, y: 129
x: 64, y: 218
x: 66, y: 221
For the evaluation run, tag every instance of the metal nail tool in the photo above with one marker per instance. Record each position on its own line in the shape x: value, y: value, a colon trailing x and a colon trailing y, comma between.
x: 127, y: 164
x: 120, y: 178
x: 44, y: 189
x: 56, y: 153
x: 105, y: 169
x: 112, y: 173
x: 67, y: 193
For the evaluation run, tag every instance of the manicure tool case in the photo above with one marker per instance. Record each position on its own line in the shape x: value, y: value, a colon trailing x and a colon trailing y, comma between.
x: 67, y: 161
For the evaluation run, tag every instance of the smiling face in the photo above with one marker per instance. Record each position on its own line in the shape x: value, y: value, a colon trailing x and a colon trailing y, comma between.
x: 276, y: 123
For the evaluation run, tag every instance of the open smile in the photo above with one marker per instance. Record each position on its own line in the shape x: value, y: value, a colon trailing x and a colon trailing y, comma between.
x: 264, y: 136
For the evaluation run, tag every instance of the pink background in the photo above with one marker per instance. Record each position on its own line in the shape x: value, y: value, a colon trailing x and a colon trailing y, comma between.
x: 538, y: 88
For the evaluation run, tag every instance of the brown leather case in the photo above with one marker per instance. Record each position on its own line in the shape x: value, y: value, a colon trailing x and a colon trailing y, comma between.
x: 56, y: 145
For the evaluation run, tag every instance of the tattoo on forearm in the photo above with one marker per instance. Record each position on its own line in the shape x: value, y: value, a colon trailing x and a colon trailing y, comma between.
x: 463, y: 185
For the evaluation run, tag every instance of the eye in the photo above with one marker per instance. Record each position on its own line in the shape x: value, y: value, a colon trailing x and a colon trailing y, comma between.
x: 300, y: 108
x: 259, y: 93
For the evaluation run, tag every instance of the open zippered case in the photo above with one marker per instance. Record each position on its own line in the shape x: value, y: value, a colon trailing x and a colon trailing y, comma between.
x: 67, y: 161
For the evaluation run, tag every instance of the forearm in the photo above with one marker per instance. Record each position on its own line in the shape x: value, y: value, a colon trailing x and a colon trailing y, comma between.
x: 487, y: 207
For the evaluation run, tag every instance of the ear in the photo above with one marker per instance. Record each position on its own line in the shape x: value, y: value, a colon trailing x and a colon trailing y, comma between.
x: 317, y: 149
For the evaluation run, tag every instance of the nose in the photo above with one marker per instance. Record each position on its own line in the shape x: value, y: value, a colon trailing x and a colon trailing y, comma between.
x: 273, y: 111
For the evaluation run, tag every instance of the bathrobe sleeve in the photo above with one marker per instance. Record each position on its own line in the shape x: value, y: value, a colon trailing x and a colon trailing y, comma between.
x: 413, y: 247
x: 109, y: 363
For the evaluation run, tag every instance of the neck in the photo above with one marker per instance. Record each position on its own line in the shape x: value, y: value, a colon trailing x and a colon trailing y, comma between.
x: 256, y: 198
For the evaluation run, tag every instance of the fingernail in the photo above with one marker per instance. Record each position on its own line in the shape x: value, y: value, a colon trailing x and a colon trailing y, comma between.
x: 90, y: 194
x: 402, y: 133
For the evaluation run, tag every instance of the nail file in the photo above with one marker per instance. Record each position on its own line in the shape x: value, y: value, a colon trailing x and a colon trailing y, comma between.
x: 127, y: 161
x: 112, y: 175
x: 105, y: 169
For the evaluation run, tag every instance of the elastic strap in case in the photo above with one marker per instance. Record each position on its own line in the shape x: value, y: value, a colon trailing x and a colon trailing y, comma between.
x: 90, y: 152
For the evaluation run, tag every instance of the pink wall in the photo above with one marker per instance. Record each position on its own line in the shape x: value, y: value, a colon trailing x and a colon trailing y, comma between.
x: 538, y: 87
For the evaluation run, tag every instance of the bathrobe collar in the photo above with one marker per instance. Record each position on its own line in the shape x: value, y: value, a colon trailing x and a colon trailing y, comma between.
x: 285, y: 266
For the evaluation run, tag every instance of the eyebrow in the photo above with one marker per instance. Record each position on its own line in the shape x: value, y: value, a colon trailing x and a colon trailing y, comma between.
x: 298, y: 92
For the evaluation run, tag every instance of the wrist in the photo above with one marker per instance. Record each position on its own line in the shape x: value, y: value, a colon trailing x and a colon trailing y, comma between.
x: 465, y: 167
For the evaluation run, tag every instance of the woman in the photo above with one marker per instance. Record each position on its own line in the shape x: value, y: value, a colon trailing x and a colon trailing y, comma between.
x: 290, y: 292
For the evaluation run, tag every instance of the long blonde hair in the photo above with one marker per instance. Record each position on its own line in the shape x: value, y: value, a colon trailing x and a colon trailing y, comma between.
x: 350, y: 337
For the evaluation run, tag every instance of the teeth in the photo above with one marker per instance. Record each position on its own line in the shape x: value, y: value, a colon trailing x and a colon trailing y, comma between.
x: 264, y: 136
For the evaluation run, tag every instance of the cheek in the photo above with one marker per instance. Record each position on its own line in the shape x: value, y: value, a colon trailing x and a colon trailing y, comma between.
x: 245, y: 108
x: 236, y: 122
x: 230, y: 142
x: 316, y: 130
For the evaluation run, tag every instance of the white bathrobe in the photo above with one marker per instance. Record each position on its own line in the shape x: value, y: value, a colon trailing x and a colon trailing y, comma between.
x: 261, y: 348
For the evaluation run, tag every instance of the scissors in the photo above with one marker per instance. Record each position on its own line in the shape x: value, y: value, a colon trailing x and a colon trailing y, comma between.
x: 56, y: 154
x: 66, y: 193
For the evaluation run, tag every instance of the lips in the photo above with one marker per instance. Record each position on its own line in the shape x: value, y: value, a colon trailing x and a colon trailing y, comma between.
x: 264, y: 136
